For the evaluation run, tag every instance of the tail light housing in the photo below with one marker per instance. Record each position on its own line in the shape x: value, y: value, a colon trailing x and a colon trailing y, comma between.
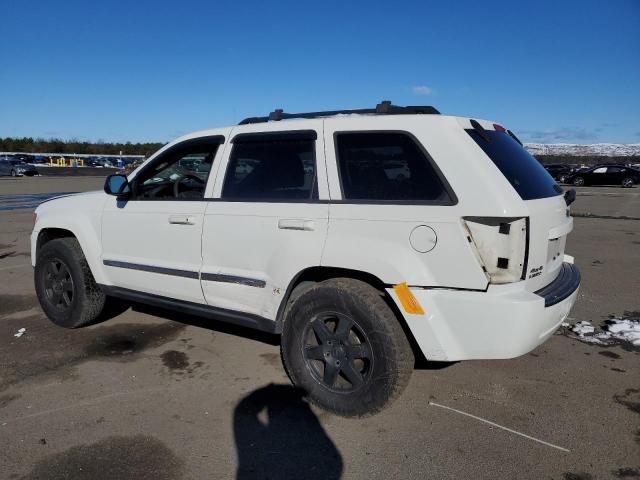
x: 501, y: 246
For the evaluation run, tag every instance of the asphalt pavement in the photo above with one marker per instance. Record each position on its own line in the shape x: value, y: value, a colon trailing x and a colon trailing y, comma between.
x: 157, y: 395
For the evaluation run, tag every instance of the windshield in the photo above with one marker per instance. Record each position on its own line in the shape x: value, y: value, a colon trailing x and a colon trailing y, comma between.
x: 527, y: 176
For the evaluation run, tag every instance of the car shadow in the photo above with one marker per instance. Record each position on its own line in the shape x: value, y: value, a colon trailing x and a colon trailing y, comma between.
x: 209, y: 324
x: 277, y: 435
x: 422, y: 363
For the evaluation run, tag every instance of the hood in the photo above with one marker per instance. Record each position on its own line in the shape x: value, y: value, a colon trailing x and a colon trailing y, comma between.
x: 84, y: 195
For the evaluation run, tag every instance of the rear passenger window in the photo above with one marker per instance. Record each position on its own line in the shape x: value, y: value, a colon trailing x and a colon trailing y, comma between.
x: 275, y: 170
x: 387, y: 166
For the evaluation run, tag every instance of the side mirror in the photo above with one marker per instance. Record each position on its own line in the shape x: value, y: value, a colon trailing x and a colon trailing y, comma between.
x: 570, y: 196
x: 117, y: 185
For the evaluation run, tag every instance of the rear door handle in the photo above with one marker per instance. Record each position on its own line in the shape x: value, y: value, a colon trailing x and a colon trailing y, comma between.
x: 296, y: 224
x: 181, y: 220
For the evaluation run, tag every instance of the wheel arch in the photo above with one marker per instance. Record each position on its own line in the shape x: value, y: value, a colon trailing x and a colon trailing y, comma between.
x: 50, y: 233
x: 89, y: 243
x: 312, y: 275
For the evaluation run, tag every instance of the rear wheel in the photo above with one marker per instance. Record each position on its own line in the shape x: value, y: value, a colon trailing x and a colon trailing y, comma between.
x: 627, y: 182
x: 65, y: 287
x: 578, y: 181
x: 343, y: 345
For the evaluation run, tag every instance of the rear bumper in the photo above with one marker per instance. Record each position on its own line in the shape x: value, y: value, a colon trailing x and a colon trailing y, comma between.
x: 503, y: 322
x: 567, y: 282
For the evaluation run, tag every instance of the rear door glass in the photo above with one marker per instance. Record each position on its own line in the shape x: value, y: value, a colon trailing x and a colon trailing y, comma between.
x: 527, y: 176
x: 272, y: 170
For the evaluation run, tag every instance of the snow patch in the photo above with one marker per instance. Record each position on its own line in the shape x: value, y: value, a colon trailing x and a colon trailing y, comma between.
x: 596, y: 149
x: 615, y: 329
x: 583, y: 327
x: 624, y: 329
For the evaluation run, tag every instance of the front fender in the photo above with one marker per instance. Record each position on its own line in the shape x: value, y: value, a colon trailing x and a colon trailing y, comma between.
x: 79, y: 214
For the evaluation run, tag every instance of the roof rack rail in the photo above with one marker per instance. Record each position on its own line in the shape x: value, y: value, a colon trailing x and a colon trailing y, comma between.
x: 383, y: 108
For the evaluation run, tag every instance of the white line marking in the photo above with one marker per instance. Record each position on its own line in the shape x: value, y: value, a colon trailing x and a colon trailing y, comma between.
x: 500, y: 426
x: 88, y: 403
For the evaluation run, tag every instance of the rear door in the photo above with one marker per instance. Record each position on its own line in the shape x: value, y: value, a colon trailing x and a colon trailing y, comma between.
x: 268, y: 218
x: 615, y: 175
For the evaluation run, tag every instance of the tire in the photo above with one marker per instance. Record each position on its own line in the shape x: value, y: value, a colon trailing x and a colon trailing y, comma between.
x: 343, y: 345
x: 578, y: 181
x: 65, y: 287
x: 13, y: 173
x: 627, y: 182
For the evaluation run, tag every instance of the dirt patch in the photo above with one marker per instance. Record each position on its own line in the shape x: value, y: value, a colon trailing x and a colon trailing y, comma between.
x: 7, y: 399
x: 124, y: 340
x: 140, y: 457
x: 178, y: 363
x: 47, y: 350
x: 16, y: 303
x: 627, y: 472
x: 174, y: 360
x: 608, y: 354
x: 630, y: 399
x: 577, y: 476
x: 272, y: 359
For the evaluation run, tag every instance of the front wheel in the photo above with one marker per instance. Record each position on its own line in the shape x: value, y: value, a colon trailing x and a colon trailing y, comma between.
x: 13, y: 173
x: 627, y: 182
x: 65, y: 287
x: 578, y: 181
x: 343, y: 345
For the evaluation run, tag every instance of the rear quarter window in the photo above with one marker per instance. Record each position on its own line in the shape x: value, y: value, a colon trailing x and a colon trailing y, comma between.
x: 388, y: 167
x: 525, y: 174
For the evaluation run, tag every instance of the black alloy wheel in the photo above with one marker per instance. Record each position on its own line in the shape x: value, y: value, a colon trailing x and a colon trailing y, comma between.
x: 337, y: 352
x: 58, y: 284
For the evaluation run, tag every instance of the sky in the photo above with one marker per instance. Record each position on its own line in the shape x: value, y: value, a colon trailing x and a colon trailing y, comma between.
x: 552, y: 71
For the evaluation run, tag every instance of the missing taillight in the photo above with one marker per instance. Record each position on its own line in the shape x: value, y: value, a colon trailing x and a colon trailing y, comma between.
x: 500, y: 245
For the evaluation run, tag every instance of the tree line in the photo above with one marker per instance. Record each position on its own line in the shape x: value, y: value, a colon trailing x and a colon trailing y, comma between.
x: 55, y: 145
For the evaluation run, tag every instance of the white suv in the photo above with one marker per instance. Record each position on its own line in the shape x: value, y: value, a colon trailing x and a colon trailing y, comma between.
x: 363, y: 237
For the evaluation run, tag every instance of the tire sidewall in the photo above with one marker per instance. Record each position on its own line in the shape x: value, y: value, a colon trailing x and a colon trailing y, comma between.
x: 70, y: 317
x: 380, y: 383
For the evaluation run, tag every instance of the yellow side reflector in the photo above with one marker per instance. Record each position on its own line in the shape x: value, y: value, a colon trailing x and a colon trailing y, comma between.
x: 408, y: 301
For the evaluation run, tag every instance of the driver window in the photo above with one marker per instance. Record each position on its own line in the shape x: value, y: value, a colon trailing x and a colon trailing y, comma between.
x: 600, y: 170
x: 178, y: 174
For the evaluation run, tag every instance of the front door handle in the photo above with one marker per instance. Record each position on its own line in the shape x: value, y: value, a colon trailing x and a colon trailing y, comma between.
x: 296, y: 224
x: 181, y: 220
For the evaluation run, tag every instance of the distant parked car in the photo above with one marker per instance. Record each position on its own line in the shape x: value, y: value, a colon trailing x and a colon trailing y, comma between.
x: 559, y: 171
x: 16, y: 168
x: 605, y: 175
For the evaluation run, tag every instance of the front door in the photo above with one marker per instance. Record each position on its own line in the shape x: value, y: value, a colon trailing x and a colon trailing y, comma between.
x: 598, y: 176
x: 152, y: 241
x: 267, y: 220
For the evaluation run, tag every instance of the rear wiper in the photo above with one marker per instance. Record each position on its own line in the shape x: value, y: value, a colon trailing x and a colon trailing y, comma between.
x: 513, y: 135
x: 481, y: 131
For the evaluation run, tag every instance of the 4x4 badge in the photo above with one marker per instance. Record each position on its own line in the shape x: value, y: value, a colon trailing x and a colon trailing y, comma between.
x: 534, y: 272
